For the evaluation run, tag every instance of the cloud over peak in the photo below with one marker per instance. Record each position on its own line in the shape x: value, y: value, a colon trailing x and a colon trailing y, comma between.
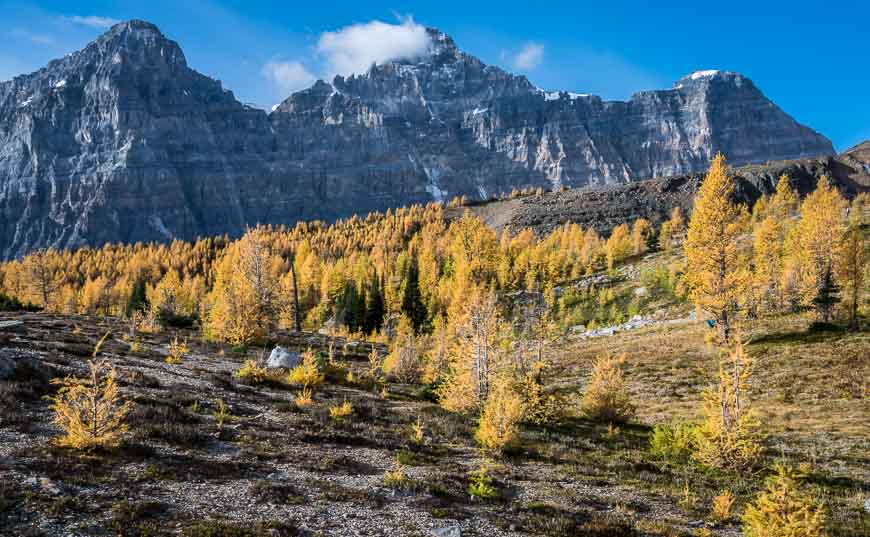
x: 288, y: 76
x: 529, y: 57
x: 92, y: 21
x: 353, y: 49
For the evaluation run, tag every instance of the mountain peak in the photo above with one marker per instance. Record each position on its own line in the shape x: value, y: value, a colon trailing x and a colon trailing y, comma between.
x: 134, y: 29
x: 137, y: 42
x: 706, y: 76
x: 441, y: 43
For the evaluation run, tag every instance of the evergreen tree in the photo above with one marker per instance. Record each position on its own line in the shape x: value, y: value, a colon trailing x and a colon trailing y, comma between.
x: 412, y: 302
x: 347, y: 308
x: 374, y: 313
x: 828, y: 295
x: 137, y: 300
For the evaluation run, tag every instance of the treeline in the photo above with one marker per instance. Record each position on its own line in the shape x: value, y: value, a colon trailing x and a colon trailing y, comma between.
x: 355, y: 273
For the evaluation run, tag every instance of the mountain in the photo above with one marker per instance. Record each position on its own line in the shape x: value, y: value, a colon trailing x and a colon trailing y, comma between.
x: 123, y: 142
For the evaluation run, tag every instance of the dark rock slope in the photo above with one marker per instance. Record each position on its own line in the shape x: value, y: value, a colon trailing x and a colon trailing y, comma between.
x: 603, y: 208
x: 122, y: 141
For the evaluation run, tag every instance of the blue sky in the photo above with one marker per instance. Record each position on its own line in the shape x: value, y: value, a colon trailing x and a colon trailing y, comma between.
x: 811, y: 58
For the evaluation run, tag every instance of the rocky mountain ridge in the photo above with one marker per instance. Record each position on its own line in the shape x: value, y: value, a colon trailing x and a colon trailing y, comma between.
x: 123, y: 141
x: 604, y: 208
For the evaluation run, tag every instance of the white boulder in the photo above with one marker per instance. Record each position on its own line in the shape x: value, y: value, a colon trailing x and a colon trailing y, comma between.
x: 281, y: 358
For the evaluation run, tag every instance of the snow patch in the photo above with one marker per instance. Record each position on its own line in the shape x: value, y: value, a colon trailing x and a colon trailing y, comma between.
x: 25, y: 103
x: 867, y: 168
x: 60, y: 84
x: 436, y: 193
x: 482, y: 192
x: 275, y: 107
x: 556, y: 95
x: 157, y: 223
x: 478, y: 111
x: 704, y: 74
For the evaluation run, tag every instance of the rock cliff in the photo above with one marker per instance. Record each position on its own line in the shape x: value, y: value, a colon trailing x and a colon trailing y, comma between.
x: 123, y: 141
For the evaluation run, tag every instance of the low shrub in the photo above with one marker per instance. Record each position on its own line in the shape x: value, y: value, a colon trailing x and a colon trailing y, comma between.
x: 673, y: 442
x: 480, y: 486
x: 307, y: 373
x: 252, y: 372
x: 606, y: 397
x: 339, y: 412
x: 784, y: 508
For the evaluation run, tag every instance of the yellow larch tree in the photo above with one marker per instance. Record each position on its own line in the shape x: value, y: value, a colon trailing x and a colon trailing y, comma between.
x: 730, y: 435
x: 717, y: 267
x: 42, y: 274
x: 640, y: 233
x: 245, y: 301
x: 90, y: 411
x: 773, y: 220
x: 476, y: 354
x: 672, y: 229
x: 502, y: 413
x: 852, y: 258
x: 619, y: 245
x: 818, y: 236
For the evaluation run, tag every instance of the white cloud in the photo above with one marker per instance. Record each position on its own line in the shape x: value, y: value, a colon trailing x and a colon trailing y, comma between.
x: 529, y: 57
x: 288, y: 77
x: 353, y: 49
x: 40, y: 39
x: 93, y: 21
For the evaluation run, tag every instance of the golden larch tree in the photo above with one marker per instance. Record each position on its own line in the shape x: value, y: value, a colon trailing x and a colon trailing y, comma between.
x: 852, y: 258
x: 717, y: 266
x: 476, y: 354
x: 245, y: 301
x: 730, y: 435
x: 90, y: 411
x: 818, y: 236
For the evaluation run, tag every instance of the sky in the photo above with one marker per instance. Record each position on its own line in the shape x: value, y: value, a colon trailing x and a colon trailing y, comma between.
x: 812, y: 58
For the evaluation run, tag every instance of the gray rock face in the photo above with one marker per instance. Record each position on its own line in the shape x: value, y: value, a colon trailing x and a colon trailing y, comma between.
x: 123, y: 142
x: 23, y: 363
x: 281, y: 358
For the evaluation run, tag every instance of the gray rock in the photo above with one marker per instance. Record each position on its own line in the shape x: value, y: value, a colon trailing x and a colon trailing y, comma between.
x: 46, y: 485
x: 13, y: 359
x: 867, y: 505
x: 7, y: 367
x: 123, y: 141
x: 281, y: 358
x: 11, y: 326
x: 448, y: 531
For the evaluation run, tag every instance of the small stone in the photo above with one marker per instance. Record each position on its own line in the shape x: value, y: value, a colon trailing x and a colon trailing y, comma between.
x: 281, y: 358
x: 12, y: 326
x: 867, y: 505
x: 47, y: 485
x: 447, y: 531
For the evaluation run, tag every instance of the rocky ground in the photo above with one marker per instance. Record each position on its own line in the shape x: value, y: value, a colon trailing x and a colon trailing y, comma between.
x: 275, y: 469
x: 272, y: 468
